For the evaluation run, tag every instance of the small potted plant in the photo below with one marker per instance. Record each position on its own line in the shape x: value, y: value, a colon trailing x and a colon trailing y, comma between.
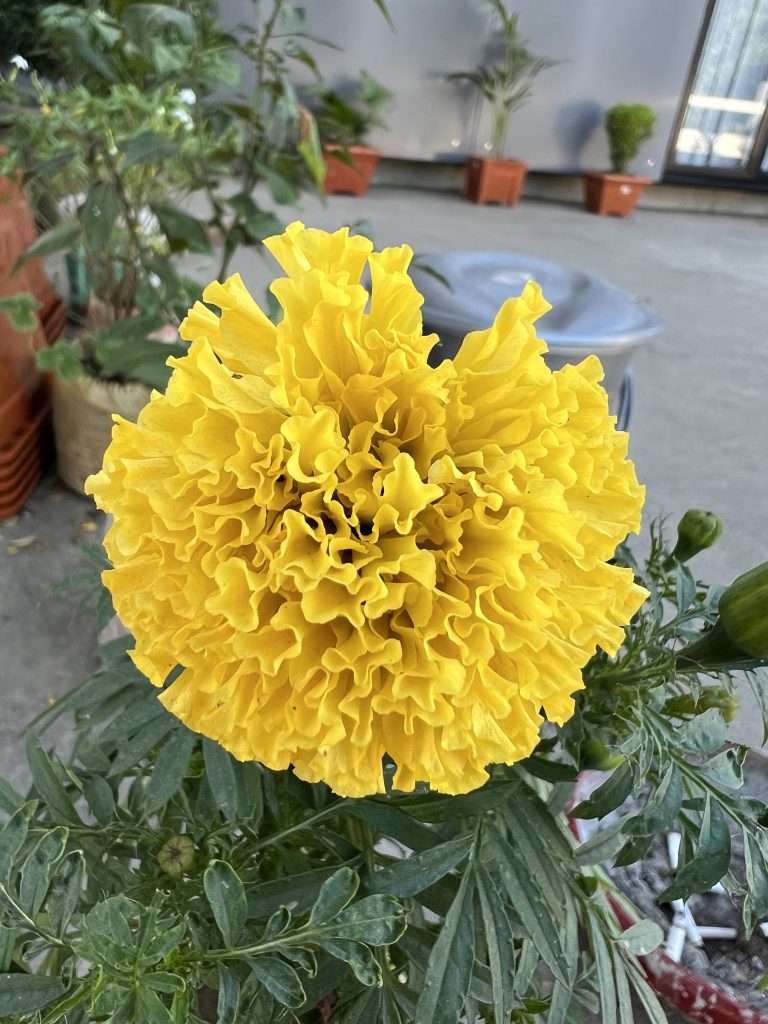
x: 506, y: 82
x: 628, y: 125
x: 344, y: 123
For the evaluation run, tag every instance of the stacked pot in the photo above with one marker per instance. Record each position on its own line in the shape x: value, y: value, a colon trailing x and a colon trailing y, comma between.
x: 25, y: 444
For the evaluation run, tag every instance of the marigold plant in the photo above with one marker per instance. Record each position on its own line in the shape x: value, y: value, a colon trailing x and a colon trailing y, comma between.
x: 354, y: 555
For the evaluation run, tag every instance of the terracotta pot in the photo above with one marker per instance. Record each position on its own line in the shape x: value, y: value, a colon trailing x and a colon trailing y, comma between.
x: 82, y: 422
x: 24, y: 454
x: 354, y: 177
x: 613, y: 195
x: 495, y: 181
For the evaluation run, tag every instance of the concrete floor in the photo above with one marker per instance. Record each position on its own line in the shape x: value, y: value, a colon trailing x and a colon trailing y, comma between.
x: 699, y: 432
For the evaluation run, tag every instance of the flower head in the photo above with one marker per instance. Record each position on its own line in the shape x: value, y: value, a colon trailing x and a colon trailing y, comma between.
x: 351, y: 553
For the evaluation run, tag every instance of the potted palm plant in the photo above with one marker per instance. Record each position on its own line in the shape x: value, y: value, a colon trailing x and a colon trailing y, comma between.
x: 628, y: 125
x: 506, y: 82
x: 344, y: 123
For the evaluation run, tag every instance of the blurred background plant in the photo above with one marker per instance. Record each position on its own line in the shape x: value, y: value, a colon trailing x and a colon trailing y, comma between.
x: 153, y: 104
x: 506, y: 79
x: 347, y: 119
x: 628, y: 125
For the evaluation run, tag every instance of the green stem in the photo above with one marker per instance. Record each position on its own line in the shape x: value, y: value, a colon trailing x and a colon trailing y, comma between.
x: 300, y: 826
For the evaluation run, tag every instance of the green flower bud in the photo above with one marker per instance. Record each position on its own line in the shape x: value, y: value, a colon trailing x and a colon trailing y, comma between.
x: 595, y: 754
x: 710, y: 697
x: 743, y: 611
x: 176, y: 856
x: 696, y: 531
x: 739, y: 638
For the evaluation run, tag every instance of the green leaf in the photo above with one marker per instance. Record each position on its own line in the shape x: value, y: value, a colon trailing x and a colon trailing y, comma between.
x: 228, y: 1003
x: 20, y: 310
x: 283, y: 190
x: 136, y: 749
x: 449, y: 971
x: 10, y: 800
x: 530, y: 906
x: 602, y: 846
x: 65, y: 358
x: 99, y: 213
x: 65, y: 891
x: 499, y: 943
x: 604, y: 971
x: 334, y: 895
x: 607, y: 797
x: 301, y: 889
x: 641, y: 938
x: 436, y: 808
x: 662, y: 807
x: 12, y: 837
x: 726, y: 768
x: 98, y: 792
x: 184, y: 232
x: 144, y: 21
x: 148, y: 148
x: 151, y: 1010
x: 25, y: 993
x: 710, y: 860
x: 48, y: 784
x: 220, y: 772
x: 279, y: 978
x: 405, y: 878
x: 170, y: 769
x: 58, y: 239
x: 311, y: 152
x: 393, y: 823
x: 755, y: 849
x: 358, y: 956
x: 705, y: 733
x: 38, y: 867
x: 226, y: 897
x: 377, y: 920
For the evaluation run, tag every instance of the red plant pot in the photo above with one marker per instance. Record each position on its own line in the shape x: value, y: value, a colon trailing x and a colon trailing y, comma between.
x: 354, y: 177
x: 613, y: 195
x: 495, y: 181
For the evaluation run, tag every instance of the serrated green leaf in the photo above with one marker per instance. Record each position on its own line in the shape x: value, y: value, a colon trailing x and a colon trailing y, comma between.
x: 170, y: 769
x: 279, y: 978
x: 406, y: 877
x: 607, y: 797
x: 26, y: 993
x: 37, y: 870
x: 710, y: 860
x: 449, y: 971
x: 705, y: 733
x: 641, y: 938
x: 49, y: 785
x: 334, y: 895
x: 226, y: 897
x: 662, y: 807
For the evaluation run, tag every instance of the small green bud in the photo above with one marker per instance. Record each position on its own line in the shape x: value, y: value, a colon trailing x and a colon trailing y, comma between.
x: 710, y: 697
x: 696, y: 531
x: 176, y: 856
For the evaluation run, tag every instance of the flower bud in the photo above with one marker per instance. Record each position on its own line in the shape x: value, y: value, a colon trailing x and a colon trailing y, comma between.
x: 719, y: 697
x: 696, y: 531
x: 743, y: 611
x: 595, y: 754
x: 176, y: 856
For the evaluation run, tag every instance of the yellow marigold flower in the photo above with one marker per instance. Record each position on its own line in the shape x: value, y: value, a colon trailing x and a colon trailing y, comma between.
x: 353, y: 554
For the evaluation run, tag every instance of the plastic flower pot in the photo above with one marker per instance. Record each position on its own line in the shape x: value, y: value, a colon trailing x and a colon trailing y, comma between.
x: 352, y: 178
x: 495, y: 181
x: 613, y: 195
x: 689, y: 993
x: 23, y: 457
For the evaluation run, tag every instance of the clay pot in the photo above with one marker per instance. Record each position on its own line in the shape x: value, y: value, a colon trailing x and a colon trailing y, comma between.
x: 613, y: 195
x: 495, y: 181
x: 25, y: 452
x: 352, y: 178
x: 82, y: 422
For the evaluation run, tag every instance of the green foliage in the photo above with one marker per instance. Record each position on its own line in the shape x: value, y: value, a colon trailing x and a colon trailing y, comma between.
x: 152, y: 877
x: 21, y: 311
x: 506, y: 80
x: 629, y: 125
x: 347, y: 120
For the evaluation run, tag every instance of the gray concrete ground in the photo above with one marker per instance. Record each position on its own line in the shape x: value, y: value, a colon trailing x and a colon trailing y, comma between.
x: 699, y: 433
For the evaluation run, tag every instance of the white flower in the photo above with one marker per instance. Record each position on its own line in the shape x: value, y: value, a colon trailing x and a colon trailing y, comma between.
x: 187, y: 96
x: 183, y: 117
x: 19, y: 62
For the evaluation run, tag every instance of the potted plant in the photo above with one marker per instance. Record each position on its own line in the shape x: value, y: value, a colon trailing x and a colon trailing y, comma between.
x: 344, y: 123
x: 628, y: 125
x: 506, y: 82
x: 146, y: 112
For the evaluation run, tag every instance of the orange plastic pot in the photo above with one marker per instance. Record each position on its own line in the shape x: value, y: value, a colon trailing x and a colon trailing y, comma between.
x: 495, y: 181
x: 352, y: 178
x: 613, y: 195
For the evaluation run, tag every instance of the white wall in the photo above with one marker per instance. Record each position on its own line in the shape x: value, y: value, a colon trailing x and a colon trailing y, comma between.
x: 613, y: 51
